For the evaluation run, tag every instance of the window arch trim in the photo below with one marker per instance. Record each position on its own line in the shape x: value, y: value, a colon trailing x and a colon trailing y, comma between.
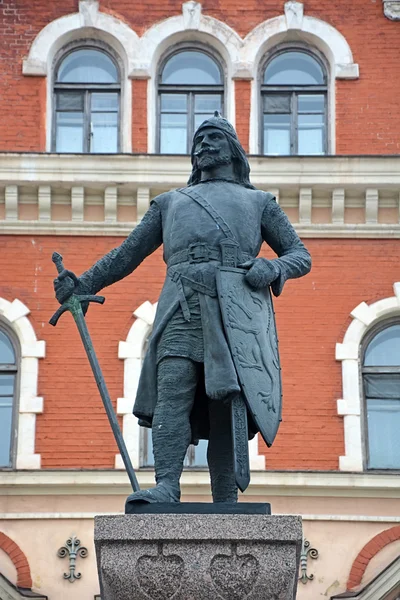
x: 16, y: 370
x: 15, y: 316
x: 364, y: 319
x: 263, y: 89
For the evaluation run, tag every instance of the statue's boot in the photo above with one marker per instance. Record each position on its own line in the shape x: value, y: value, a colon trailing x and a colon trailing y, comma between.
x: 171, y: 431
x: 220, y: 453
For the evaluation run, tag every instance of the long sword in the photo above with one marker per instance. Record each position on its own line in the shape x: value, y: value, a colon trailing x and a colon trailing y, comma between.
x: 73, y: 305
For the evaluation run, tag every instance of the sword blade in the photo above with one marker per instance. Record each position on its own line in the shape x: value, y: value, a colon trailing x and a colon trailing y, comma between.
x: 79, y: 318
x: 240, y: 442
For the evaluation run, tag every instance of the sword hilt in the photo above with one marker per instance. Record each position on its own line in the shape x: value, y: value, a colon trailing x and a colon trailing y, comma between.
x: 68, y: 305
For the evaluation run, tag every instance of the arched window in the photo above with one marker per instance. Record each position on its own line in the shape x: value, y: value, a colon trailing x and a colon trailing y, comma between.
x: 294, y: 105
x: 381, y: 381
x: 191, y: 88
x: 86, y: 102
x: 8, y: 381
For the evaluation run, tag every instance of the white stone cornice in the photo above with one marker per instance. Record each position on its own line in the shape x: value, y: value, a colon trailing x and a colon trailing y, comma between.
x: 197, y: 482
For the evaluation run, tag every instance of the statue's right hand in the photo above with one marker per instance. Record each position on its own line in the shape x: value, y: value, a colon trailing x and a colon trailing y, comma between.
x: 65, y: 285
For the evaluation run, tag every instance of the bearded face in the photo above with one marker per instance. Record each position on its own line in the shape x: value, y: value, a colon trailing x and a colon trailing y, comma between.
x: 212, y: 149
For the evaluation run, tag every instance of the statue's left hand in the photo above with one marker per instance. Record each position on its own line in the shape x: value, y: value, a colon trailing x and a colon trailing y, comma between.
x: 262, y: 272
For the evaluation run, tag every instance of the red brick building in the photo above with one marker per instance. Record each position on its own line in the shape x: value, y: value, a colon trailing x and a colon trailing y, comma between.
x: 99, y: 101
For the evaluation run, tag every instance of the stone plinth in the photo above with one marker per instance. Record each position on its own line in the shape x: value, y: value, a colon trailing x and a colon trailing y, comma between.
x: 198, y: 557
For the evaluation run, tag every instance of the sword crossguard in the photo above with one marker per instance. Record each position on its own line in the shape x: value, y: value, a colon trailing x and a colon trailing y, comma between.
x: 75, y: 299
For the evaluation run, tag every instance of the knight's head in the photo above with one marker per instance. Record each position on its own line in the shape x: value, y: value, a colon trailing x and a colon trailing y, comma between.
x: 216, y: 143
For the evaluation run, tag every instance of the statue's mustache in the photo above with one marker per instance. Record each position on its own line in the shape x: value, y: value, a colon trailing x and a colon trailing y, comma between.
x: 206, y: 151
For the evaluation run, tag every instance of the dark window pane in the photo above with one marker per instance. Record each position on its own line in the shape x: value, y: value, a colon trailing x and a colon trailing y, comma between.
x: 6, y: 385
x: 173, y: 134
x: 207, y: 103
x: 294, y: 68
x: 311, y: 103
x: 87, y: 66
x: 311, y: 134
x: 174, y: 103
x: 384, y: 349
x: 69, y: 132
x: 277, y: 134
x: 104, y: 129
x: 105, y: 102
x: 6, y: 413
x: 191, y: 68
x: 7, y: 356
x: 70, y: 101
x: 277, y: 104
x: 382, y: 385
x: 383, y: 433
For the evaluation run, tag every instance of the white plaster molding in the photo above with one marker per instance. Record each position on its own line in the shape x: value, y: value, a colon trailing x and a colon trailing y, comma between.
x: 391, y: 9
x: 307, y: 484
x: 29, y: 404
x: 363, y: 313
x: 88, y: 23
x: 338, y: 200
x: 294, y: 13
x: 131, y: 351
x: 305, y: 206
x: 396, y: 289
x: 75, y: 26
x: 191, y: 14
x: 44, y: 202
x: 324, y: 36
x: 142, y: 201
x: 371, y: 205
x: 77, y: 203
x: 110, y: 204
x: 349, y: 406
x: 11, y: 202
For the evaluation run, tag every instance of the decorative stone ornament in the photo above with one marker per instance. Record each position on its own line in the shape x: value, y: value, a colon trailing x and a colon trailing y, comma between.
x: 306, y: 551
x: 391, y: 8
x: 73, y: 549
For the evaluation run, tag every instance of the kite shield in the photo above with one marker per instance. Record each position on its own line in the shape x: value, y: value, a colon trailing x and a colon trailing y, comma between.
x: 249, y: 323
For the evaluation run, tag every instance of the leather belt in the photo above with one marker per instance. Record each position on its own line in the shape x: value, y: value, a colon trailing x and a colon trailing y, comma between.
x: 200, y: 253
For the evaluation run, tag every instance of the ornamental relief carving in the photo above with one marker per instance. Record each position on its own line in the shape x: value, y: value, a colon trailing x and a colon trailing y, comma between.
x: 391, y: 8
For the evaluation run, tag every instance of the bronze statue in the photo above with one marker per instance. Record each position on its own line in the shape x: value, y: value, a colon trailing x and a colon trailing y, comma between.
x: 211, y: 370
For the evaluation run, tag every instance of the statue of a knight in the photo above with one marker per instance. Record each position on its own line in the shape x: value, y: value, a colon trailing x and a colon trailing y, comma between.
x: 213, y: 345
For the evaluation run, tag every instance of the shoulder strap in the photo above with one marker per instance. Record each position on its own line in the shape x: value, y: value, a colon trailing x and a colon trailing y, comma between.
x: 214, y: 214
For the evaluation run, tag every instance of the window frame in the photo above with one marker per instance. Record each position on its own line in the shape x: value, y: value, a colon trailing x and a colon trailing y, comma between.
x: 189, y: 90
x: 369, y: 336
x: 88, y: 88
x: 294, y: 91
x: 4, y: 328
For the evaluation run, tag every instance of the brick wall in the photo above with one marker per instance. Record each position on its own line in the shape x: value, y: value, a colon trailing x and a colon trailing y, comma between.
x: 312, y: 315
x: 366, y: 109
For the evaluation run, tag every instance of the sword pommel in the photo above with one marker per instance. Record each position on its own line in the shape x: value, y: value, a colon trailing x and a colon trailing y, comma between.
x: 74, y: 301
x: 58, y: 261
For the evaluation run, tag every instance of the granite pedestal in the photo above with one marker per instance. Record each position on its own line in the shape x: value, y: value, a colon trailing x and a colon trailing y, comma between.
x: 198, y: 556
